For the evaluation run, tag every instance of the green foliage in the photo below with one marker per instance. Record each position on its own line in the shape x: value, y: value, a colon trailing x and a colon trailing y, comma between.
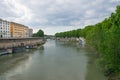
x: 104, y: 37
x: 73, y: 33
x: 40, y: 33
x: 34, y: 34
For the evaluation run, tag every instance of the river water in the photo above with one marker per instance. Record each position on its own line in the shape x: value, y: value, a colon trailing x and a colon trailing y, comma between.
x: 52, y: 61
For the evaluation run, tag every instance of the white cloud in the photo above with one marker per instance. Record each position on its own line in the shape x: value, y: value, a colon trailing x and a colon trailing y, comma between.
x: 111, y: 9
x: 56, y: 29
x: 115, y: 0
x: 56, y: 15
x: 92, y: 21
x: 90, y: 13
x: 77, y: 23
x: 23, y: 13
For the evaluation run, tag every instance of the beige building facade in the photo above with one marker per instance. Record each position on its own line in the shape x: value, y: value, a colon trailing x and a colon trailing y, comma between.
x: 19, y: 30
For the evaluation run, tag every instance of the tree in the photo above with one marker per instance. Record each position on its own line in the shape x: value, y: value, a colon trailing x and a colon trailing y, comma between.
x: 40, y: 33
x: 34, y: 34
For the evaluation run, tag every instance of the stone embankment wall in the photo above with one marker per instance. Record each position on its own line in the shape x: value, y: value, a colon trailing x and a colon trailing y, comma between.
x: 8, y: 43
x: 71, y: 39
x: 80, y: 40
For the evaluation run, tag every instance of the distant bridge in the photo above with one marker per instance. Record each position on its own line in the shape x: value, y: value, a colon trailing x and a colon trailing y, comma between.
x: 50, y: 37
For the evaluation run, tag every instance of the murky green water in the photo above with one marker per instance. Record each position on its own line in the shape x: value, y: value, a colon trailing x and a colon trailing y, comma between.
x: 53, y: 61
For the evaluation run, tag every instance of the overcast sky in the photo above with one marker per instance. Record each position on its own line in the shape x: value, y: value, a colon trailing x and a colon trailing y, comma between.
x: 56, y: 15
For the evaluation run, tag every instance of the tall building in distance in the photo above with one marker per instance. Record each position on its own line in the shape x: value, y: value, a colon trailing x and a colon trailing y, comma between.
x: 4, y: 29
x: 19, y: 30
x: 30, y: 32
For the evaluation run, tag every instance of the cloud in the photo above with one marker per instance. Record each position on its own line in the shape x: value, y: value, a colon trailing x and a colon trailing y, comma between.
x: 55, y: 15
x: 54, y: 29
x: 115, y: 0
x: 16, y: 12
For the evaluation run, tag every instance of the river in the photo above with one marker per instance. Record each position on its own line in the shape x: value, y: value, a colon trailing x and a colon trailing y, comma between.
x: 52, y: 61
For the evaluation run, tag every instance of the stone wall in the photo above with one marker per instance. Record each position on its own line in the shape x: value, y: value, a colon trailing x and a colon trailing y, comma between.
x: 6, y: 43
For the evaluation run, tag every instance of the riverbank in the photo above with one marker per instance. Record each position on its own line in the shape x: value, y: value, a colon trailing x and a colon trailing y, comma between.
x: 12, y: 45
x: 81, y: 41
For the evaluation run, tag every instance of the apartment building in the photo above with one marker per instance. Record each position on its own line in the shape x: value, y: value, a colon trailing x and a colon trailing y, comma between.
x: 5, y: 29
x: 19, y: 30
x: 30, y: 32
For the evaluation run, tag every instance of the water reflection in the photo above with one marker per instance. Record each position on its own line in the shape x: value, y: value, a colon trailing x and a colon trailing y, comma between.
x: 53, y: 61
x: 9, y: 61
x: 93, y: 71
x: 13, y: 65
x: 41, y: 49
